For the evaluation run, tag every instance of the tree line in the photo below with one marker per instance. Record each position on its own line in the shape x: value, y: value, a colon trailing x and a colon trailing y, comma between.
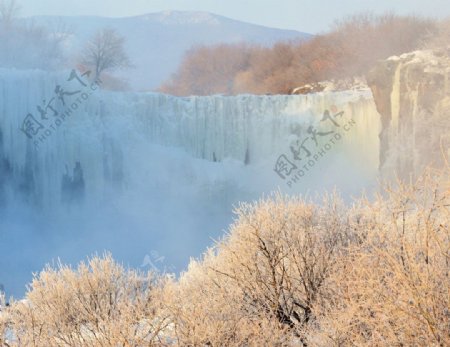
x: 350, y: 48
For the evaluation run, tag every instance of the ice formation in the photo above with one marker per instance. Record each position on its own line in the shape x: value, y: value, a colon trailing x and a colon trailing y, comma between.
x: 100, y: 131
x: 136, y: 173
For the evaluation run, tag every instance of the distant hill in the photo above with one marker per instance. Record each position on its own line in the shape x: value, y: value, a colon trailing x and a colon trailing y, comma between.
x: 156, y: 42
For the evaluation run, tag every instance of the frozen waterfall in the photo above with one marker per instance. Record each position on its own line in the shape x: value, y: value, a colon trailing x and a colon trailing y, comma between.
x: 102, y: 131
x: 83, y: 170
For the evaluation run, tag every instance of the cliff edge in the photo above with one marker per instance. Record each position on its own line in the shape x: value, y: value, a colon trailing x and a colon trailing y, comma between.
x: 412, y: 95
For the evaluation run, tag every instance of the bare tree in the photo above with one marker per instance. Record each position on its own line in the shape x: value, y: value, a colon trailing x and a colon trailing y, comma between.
x: 260, y: 284
x: 58, y: 33
x: 26, y: 44
x: 439, y: 38
x: 105, y: 52
x: 9, y: 10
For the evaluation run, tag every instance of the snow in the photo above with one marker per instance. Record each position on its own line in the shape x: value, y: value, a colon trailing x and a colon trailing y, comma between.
x: 417, y: 57
x: 183, y: 17
x: 161, y: 173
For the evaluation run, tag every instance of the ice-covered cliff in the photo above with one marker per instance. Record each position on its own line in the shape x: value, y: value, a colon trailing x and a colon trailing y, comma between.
x: 412, y: 94
x: 60, y: 133
x: 83, y: 170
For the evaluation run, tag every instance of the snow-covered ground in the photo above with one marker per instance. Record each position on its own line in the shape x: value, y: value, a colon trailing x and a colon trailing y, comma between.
x: 161, y: 174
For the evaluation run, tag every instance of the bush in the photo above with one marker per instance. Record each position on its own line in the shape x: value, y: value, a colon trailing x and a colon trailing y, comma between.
x: 98, y: 304
x: 296, y: 273
x: 260, y: 284
x: 393, y: 289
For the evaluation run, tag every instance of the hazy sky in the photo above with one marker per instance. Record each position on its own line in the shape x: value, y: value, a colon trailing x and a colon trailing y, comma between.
x: 304, y: 15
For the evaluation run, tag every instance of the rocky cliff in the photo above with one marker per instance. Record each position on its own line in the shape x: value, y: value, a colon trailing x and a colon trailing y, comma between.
x: 412, y: 95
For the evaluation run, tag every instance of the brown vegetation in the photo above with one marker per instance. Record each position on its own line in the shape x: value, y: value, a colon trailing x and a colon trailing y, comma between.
x: 105, y: 52
x: 349, y: 49
x: 441, y: 37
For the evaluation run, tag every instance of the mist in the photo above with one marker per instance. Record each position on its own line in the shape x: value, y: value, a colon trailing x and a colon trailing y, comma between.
x: 154, y: 178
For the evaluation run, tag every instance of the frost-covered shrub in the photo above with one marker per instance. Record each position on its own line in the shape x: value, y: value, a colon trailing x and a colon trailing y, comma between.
x: 295, y: 273
x: 289, y: 273
x: 98, y: 304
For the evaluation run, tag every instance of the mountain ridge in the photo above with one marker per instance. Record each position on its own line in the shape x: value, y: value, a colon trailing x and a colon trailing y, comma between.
x: 156, y: 42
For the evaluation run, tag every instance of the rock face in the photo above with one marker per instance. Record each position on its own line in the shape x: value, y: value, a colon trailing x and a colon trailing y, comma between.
x: 412, y: 95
